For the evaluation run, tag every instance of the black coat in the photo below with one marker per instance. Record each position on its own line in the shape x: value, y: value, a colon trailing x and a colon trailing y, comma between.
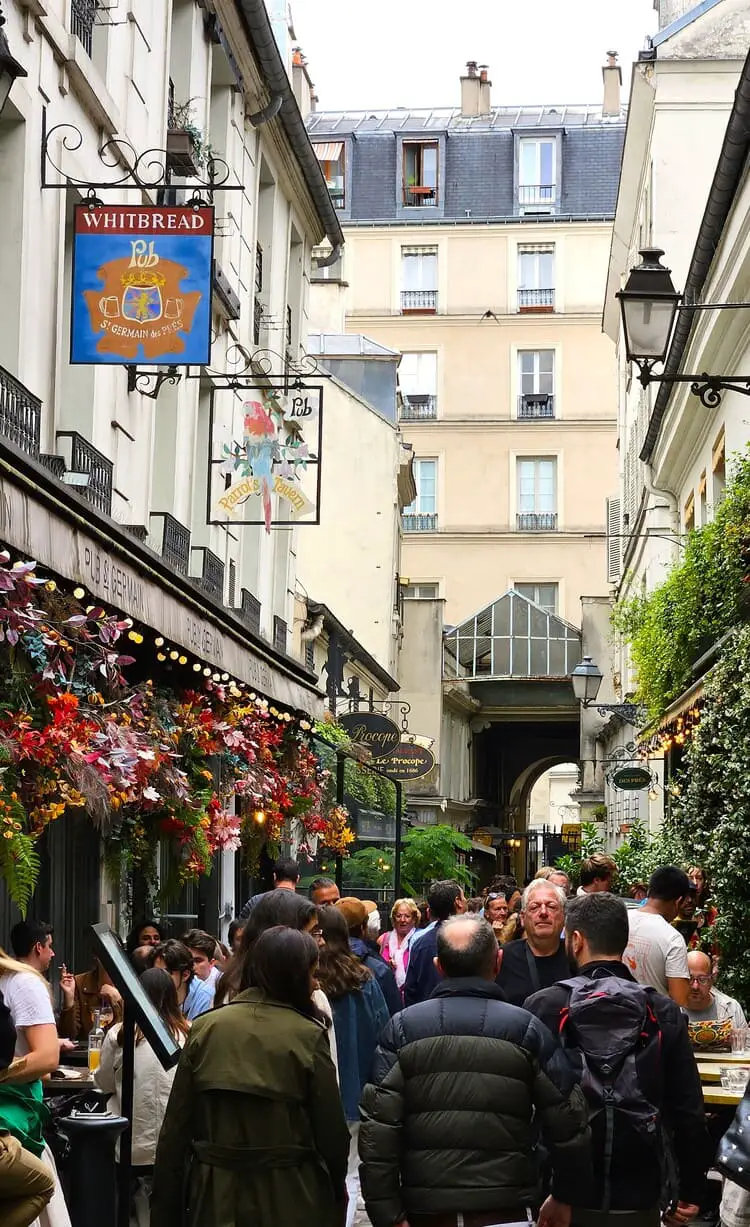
x: 679, y: 1097
x: 422, y: 975
x: 523, y: 973
x: 460, y: 1084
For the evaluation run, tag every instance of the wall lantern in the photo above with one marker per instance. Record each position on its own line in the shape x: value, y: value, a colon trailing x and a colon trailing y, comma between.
x: 587, y: 680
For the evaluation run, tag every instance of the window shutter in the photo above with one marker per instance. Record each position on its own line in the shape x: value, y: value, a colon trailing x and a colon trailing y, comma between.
x: 614, y: 541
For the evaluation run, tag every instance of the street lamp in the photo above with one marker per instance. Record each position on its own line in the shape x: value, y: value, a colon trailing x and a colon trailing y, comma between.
x: 587, y: 680
x: 10, y: 69
x: 649, y: 304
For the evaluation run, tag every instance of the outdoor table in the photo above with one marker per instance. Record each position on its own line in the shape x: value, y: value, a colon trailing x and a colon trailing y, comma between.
x: 709, y: 1072
x: 720, y: 1097
x: 65, y: 1080
x: 723, y: 1058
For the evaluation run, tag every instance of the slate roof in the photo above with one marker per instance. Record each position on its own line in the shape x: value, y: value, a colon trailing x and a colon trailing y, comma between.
x: 350, y: 345
x: 477, y: 166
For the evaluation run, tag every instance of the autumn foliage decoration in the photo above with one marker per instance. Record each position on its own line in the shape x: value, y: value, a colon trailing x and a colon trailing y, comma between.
x: 144, y: 763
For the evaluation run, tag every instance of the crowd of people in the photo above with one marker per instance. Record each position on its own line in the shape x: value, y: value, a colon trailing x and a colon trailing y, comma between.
x: 527, y: 1054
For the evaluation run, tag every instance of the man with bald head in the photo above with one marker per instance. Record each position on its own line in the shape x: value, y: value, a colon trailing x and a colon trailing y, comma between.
x: 706, y: 1003
x: 460, y: 1084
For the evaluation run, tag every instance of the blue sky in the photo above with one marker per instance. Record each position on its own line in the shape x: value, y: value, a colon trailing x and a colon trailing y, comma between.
x: 378, y: 53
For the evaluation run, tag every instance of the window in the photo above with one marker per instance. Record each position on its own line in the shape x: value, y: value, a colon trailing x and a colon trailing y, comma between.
x: 419, y: 279
x: 421, y: 516
x: 537, y: 494
x: 417, y: 376
x: 536, y: 382
x: 543, y: 595
x: 719, y: 467
x: 536, y: 278
x: 82, y: 17
x: 702, y: 497
x: 689, y: 516
x: 420, y: 174
x: 420, y: 592
x: 331, y: 158
x: 536, y: 173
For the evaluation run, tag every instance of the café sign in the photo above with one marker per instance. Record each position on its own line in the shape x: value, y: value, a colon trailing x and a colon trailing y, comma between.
x: 408, y: 762
x: 631, y: 779
x: 371, y: 729
x: 142, y: 285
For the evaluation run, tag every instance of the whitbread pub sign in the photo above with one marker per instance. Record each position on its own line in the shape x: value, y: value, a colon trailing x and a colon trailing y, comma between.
x: 142, y: 285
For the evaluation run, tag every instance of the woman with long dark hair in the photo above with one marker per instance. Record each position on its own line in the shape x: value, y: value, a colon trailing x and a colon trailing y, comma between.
x: 359, y: 1015
x: 151, y: 1083
x: 254, y: 1130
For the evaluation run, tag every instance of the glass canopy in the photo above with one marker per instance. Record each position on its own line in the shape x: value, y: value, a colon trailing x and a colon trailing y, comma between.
x: 512, y: 638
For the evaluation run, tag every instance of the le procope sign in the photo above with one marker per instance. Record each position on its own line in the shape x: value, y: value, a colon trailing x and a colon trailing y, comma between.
x: 371, y: 729
x: 408, y: 762
x: 631, y: 779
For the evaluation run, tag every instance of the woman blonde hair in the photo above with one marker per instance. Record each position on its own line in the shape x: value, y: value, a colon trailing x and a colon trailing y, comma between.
x: 410, y: 905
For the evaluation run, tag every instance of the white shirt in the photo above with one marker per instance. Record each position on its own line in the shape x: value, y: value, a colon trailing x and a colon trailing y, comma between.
x: 656, y: 952
x: 27, y: 997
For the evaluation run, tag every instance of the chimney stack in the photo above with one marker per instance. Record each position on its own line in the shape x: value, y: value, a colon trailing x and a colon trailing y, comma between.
x: 612, y: 77
x: 475, y: 91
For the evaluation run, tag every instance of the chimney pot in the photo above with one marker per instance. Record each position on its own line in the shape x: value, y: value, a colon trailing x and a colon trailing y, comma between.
x: 612, y: 77
x: 471, y: 68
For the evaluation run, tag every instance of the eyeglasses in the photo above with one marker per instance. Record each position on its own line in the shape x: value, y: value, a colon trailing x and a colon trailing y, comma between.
x: 497, y: 895
x: 537, y: 907
x: 700, y: 979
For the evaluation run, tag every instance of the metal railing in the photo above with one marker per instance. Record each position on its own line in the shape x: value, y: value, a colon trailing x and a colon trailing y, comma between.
x: 536, y: 405
x: 20, y: 414
x: 171, y: 118
x: 289, y: 327
x: 419, y: 300
x: 258, y: 268
x: 536, y: 521
x: 175, y: 542
x: 257, y: 320
x: 279, y: 633
x: 416, y: 197
x: 211, y: 578
x: 536, y: 300
x: 85, y: 458
x: 82, y: 13
x: 249, y: 611
x: 419, y: 408
x: 420, y: 523
x: 537, y: 193
x: 337, y: 196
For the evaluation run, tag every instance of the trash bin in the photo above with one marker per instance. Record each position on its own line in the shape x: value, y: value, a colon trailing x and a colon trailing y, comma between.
x: 91, y: 1171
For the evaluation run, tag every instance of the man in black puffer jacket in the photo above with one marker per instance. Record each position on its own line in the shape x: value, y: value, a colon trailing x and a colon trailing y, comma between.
x: 461, y: 1084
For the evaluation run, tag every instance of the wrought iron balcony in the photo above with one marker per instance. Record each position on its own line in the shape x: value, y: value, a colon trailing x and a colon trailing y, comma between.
x: 536, y: 521
x: 289, y: 327
x: 174, y: 546
x: 418, y: 197
x: 258, y: 268
x: 82, y: 13
x: 249, y: 611
x: 337, y: 196
x: 419, y: 408
x: 536, y: 300
x: 279, y: 633
x: 420, y: 523
x: 211, y: 578
x: 257, y: 320
x: 419, y: 300
x: 20, y: 414
x: 536, y: 405
x: 537, y: 193
x: 87, y: 470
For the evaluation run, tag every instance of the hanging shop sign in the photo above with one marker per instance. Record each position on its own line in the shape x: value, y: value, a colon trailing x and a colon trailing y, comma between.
x: 142, y: 285
x: 264, y: 465
x: 371, y: 729
x: 631, y: 779
x: 407, y: 762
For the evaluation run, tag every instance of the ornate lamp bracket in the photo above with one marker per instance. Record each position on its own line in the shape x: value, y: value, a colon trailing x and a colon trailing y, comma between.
x: 150, y: 383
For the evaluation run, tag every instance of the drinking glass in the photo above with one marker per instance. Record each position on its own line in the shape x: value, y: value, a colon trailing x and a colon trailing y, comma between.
x: 739, y: 1039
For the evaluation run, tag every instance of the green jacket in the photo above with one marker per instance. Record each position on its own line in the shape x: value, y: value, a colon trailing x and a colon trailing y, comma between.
x: 254, y: 1134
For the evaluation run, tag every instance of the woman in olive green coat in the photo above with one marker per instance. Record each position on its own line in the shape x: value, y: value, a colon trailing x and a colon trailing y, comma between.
x: 255, y: 1134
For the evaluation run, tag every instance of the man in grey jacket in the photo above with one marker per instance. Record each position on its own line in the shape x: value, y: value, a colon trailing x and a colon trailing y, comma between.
x: 461, y: 1084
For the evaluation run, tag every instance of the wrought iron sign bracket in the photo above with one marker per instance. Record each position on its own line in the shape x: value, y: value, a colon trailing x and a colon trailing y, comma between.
x: 245, y: 367
x: 708, y: 388
x: 356, y: 705
x: 631, y: 713
x: 150, y: 383
x: 144, y: 171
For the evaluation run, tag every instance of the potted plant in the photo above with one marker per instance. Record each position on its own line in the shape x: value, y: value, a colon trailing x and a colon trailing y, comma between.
x: 187, y: 148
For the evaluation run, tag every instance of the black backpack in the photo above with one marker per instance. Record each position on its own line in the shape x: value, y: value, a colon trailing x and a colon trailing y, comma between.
x: 611, y: 1022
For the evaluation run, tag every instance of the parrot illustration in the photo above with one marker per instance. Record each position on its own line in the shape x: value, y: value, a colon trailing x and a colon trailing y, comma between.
x: 261, y: 448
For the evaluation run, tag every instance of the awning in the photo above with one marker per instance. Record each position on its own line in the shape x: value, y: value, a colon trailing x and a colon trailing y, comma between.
x: 32, y: 528
x: 684, y: 703
x: 329, y: 152
x: 479, y: 847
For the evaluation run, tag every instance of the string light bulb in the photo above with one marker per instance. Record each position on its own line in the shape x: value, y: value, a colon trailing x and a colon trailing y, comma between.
x: 196, y: 667
x: 182, y: 660
x: 51, y: 586
x: 79, y: 593
x: 260, y: 817
x: 206, y: 672
x: 159, y: 641
x: 160, y: 656
x: 173, y: 655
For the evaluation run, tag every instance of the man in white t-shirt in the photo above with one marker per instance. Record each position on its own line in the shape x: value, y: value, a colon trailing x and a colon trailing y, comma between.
x: 656, y: 953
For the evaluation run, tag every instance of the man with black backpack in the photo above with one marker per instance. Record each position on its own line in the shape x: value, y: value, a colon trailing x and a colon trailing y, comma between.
x: 638, y: 1074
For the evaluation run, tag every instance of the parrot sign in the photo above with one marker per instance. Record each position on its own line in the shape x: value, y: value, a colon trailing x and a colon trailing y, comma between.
x: 276, y: 455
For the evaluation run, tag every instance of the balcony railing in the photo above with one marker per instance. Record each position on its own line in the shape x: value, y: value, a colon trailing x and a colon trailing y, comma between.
x: 536, y: 521
x: 536, y: 300
x: 249, y: 611
x: 536, y: 405
x: 257, y: 320
x: 419, y: 300
x: 20, y: 414
x: 171, y: 117
x: 289, y: 327
x: 90, y: 471
x: 420, y: 523
x: 537, y: 193
x: 416, y: 197
x: 82, y: 14
x: 419, y: 408
x: 258, y: 268
x: 279, y: 634
x: 211, y: 578
x: 337, y: 196
x: 175, y: 542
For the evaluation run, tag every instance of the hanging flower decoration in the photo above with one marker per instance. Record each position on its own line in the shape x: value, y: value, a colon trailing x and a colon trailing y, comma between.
x: 206, y: 770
